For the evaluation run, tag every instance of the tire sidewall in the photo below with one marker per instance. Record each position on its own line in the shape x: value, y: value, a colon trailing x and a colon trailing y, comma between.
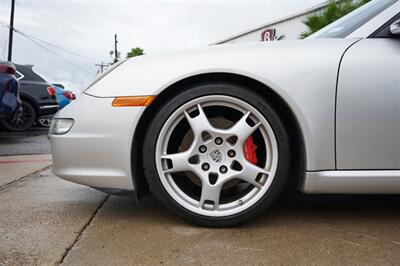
x: 26, y: 107
x: 244, y: 94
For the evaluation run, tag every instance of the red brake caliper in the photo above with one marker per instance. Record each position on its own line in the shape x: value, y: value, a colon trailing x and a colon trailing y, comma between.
x: 250, y: 150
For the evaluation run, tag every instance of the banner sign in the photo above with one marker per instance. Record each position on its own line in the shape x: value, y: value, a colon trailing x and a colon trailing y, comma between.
x: 268, y: 35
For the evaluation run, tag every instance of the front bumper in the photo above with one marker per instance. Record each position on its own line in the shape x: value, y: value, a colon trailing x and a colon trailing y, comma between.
x: 97, y: 150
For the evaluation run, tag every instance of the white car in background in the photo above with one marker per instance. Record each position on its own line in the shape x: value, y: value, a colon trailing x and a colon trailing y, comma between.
x: 215, y: 134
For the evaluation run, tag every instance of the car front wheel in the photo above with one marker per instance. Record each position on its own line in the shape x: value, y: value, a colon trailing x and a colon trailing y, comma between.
x: 216, y: 154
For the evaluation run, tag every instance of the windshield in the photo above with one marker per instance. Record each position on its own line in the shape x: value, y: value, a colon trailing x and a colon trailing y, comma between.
x: 351, y: 22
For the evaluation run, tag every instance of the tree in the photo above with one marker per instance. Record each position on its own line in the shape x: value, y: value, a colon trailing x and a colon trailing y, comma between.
x: 135, y: 52
x: 333, y: 11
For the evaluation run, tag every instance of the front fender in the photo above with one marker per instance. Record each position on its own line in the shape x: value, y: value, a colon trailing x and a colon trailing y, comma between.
x: 303, y: 73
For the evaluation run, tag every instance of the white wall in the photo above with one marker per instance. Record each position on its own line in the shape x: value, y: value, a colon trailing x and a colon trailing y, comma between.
x: 291, y: 29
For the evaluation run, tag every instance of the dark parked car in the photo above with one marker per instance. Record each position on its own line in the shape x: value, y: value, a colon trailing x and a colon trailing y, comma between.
x: 64, y: 97
x: 38, y: 98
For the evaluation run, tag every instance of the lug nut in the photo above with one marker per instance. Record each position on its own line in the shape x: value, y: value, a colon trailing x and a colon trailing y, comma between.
x: 223, y: 169
x: 231, y: 153
x: 218, y: 141
x: 202, y: 149
x: 205, y: 166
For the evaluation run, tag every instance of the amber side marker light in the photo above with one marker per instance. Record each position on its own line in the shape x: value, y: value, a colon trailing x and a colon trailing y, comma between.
x: 133, y: 101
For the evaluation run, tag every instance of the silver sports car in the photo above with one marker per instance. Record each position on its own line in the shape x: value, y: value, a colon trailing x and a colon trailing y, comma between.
x: 217, y: 133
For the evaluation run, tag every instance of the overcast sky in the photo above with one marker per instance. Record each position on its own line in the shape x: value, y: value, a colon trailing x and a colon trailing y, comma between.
x: 87, y: 27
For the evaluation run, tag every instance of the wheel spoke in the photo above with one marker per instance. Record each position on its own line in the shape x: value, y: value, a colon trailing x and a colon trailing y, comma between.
x: 210, y: 172
x: 198, y: 123
x: 250, y: 173
x: 210, y: 194
x: 179, y: 162
x: 242, y: 130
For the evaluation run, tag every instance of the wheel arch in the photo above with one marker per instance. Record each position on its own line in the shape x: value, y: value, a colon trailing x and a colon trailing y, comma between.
x: 31, y: 100
x: 278, y: 103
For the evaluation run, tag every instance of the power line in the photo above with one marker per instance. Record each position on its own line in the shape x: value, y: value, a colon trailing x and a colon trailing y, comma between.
x: 56, y: 32
x: 4, y: 25
x: 54, y: 53
x: 48, y: 43
x: 46, y: 48
x: 54, y: 45
x: 58, y: 47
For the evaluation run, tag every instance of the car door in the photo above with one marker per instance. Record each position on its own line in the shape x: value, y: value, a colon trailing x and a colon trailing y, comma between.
x: 368, y: 105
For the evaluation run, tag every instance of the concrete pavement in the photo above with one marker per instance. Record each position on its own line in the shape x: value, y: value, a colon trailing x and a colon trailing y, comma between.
x: 13, y: 168
x: 46, y: 221
x: 340, y: 231
x: 41, y: 217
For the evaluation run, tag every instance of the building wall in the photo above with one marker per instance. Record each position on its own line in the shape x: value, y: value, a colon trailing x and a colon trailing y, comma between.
x: 288, y: 30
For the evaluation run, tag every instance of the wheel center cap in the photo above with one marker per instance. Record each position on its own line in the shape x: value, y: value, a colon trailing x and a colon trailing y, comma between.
x: 216, y: 155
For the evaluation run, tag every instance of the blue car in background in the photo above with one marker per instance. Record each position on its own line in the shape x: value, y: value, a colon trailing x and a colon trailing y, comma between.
x: 64, y: 97
x: 10, y: 103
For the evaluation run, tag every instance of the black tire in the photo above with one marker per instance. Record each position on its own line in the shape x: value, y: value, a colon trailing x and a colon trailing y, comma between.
x: 22, y: 121
x: 194, y: 92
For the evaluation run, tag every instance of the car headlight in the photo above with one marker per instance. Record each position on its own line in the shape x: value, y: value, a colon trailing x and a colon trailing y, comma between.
x: 60, y: 126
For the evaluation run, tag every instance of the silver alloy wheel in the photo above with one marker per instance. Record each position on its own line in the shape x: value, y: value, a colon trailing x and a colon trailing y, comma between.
x: 218, y: 153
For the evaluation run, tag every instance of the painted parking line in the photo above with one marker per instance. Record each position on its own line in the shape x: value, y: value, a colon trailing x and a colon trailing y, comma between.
x: 15, y: 167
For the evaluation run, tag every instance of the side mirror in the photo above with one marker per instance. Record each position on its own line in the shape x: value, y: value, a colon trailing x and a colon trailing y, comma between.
x: 395, y: 27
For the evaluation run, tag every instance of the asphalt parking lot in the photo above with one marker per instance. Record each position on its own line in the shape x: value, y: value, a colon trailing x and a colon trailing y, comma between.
x: 32, y: 141
x: 47, y: 221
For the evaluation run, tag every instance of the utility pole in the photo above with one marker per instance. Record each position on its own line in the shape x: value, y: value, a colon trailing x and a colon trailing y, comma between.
x: 115, y: 48
x: 10, y: 37
x: 102, y: 65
